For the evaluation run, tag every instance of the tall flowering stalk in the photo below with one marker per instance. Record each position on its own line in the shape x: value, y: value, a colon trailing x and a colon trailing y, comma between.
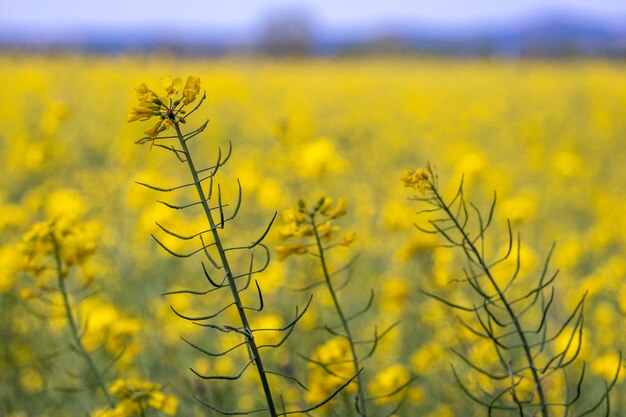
x: 69, y: 243
x: 312, y: 231
x: 171, y: 111
x: 506, y: 313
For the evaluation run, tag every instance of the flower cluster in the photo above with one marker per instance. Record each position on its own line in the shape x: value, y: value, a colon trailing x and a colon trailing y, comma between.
x: 67, y: 237
x: 168, y: 106
x: 386, y: 386
x: 136, y: 397
x: 108, y: 328
x: 417, y: 179
x: 331, y: 366
x: 299, y: 222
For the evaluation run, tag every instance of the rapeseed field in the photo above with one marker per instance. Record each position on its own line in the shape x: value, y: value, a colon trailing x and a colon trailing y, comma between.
x: 378, y: 288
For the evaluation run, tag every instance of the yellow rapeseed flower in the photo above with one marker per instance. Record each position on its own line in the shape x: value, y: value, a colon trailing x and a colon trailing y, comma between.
x: 284, y: 251
x: 140, y: 113
x: 168, y: 107
x: 171, y: 85
x: 28, y: 294
x: 347, y: 238
x: 323, y: 205
x: 395, y: 292
x: 267, y: 336
x: 166, y: 403
x: 191, y: 90
x: 287, y: 231
x: 10, y: 262
x: 293, y: 215
x: 145, y: 95
x: 317, y: 157
x: 417, y: 179
x: 387, y: 382
x: 154, y: 131
x: 336, y: 355
x: 108, y: 327
x: 427, y: 358
x: 326, y: 229
x: 136, y: 397
x: 293, y: 230
x: 75, y: 242
x: 340, y: 210
x: 607, y: 366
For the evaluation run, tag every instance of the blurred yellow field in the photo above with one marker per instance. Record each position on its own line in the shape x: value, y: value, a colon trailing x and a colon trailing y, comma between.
x: 547, y: 136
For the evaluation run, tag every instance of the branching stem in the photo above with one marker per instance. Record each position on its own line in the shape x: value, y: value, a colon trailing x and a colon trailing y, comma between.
x: 514, y: 319
x: 72, y: 322
x: 247, y: 330
x: 342, y: 317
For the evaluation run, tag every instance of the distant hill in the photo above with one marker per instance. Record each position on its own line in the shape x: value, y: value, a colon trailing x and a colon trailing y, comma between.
x: 548, y: 34
x: 543, y: 35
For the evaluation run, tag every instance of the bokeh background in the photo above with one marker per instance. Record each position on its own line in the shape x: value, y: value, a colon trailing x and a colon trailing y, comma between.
x: 318, y: 98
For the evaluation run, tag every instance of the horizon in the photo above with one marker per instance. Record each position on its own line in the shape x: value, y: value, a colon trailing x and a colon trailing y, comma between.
x: 246, y: 16
x: 531, y: 27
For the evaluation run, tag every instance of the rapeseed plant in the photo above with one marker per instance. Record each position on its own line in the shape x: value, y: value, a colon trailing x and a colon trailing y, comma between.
x: 315, y: 233
x: 522, y: 365
x: 67, y: 242
x: 50, y: 250
x: 171, y: 111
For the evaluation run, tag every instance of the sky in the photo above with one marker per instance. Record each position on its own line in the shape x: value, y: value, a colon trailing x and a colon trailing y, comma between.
x: 164, y: 15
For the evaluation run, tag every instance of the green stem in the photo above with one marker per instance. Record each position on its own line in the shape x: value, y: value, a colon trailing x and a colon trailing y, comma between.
x: 229, y: 276
x: 73, y: 327
x: 344, y: 323
x: 507, y: 306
